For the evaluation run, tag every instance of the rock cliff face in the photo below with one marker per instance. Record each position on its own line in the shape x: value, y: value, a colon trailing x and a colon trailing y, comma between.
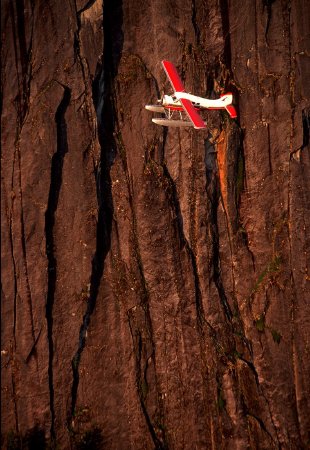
x: 155, y: 285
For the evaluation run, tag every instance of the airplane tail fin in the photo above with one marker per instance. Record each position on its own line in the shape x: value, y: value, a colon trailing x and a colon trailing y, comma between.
x: 228, y: 98
x: 231, y: 111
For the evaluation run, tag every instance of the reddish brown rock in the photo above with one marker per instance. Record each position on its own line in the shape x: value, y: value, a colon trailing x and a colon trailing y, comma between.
x: 155, y: 281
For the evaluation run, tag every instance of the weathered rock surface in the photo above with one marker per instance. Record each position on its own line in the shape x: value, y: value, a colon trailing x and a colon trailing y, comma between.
x: 155, y: 285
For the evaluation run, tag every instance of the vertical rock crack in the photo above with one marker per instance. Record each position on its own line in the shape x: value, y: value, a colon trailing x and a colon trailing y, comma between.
x: 53, y: 198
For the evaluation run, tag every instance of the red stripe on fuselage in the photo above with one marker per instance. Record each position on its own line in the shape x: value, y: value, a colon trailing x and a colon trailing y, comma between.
x: 179, y: 108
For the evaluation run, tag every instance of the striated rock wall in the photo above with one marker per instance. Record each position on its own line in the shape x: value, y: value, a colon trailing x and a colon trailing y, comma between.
x: 155, y: 286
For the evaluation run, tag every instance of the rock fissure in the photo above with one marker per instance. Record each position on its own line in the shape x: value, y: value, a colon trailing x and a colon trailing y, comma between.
x: 102, y: 89
x: 224, y: 8
x: 174, y: 203
x: 23, y: 57
x: 269, y: 150
x: 305, y: 127
x: 54, y: 191
x: 11, y: 239
x: 24, y: 250
x: 85, y: 72
x: 293, y: 102
x: 237, y: 324
x: 142, y: 358
x: 88, y: 5
x: 33, y: 348
x: 194, y: 22
x: 213, y: 193
x: 268, y: 5
x: 103, y: 232
x: 13, y: 343
x: 13, y: 382
x: 141, y: 372
x: 261, y: 424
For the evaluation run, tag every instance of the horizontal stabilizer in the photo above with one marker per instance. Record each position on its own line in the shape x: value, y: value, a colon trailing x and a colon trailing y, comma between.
x: 231, y: 111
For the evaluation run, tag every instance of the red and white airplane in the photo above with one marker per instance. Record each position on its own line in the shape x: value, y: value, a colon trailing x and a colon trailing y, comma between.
x: 180, y: 101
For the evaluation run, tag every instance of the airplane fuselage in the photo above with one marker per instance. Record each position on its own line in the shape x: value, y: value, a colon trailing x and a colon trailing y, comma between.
x: 173, y: 102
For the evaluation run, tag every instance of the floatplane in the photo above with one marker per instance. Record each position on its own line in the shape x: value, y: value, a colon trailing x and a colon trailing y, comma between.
x: 174, y: 106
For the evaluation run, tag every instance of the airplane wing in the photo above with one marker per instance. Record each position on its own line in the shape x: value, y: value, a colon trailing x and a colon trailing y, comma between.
x: 177, y: 85
x: 173, y: 76
x: 192, y: 114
